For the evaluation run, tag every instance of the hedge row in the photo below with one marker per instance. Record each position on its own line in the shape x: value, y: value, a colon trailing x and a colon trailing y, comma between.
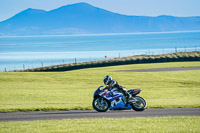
x: 173, y: 57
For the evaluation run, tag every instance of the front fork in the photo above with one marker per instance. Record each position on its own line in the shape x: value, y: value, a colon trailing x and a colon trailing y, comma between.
x: 100, y: 102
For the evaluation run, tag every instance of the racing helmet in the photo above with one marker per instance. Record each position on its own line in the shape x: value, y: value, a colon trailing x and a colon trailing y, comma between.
x: 107, y: 79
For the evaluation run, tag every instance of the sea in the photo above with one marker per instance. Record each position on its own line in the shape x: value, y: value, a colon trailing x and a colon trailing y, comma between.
x: 23, y: 52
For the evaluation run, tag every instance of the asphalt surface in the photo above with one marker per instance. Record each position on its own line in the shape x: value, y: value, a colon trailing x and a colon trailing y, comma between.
x: 74, y: 114
x: 162, y: 69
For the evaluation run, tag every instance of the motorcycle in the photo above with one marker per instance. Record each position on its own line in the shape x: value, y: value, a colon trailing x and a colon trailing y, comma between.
x: 114, y: 100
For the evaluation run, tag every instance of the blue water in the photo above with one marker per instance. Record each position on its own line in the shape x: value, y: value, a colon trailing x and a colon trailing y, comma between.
x: 35, y: 51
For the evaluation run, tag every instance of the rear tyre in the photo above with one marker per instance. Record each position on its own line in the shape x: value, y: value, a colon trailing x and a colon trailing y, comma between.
x: 140, y: 105
x: 100, y: 104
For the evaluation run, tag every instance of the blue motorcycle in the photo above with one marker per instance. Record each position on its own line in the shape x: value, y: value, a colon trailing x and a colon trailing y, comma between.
x: 114, y: 100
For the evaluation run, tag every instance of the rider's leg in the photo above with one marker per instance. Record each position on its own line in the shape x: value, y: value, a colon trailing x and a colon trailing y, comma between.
x: 127, y: 96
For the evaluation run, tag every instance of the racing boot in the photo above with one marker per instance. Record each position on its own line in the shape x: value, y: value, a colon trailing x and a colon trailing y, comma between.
x: 128, y: 96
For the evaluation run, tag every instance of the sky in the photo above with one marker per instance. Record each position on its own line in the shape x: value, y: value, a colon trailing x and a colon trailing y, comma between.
x: 180, y: 8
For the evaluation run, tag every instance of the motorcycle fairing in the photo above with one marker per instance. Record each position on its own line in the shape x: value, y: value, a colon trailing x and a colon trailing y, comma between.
x: 115, y: 99
x: 134, y: 91
x: 119, y: 105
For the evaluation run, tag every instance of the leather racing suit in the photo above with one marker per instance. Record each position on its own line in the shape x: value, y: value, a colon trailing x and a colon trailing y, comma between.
x: 113, y: 84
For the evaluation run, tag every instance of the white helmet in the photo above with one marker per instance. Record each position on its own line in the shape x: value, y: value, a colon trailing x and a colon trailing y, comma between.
x: 107, y: 79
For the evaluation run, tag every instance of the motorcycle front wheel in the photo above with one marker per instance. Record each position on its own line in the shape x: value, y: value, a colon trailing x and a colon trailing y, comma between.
x: 100, y: 104
x: 139, y: 105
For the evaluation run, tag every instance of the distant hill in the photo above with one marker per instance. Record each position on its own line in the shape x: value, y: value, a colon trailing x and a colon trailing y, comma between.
x: 82, y: 18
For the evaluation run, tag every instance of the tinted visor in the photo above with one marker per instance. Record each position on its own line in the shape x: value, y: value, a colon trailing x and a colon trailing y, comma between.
x: 105, y: 81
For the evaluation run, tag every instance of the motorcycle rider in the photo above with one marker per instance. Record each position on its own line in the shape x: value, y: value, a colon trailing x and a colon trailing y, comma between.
x: 111, y: 84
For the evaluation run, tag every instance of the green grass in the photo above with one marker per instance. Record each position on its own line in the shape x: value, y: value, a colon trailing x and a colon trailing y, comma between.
x: 30, y: 91
x: 106, y: 125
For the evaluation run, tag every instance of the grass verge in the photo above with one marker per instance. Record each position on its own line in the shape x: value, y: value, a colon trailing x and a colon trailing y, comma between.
x: 106, y: 125
x: 35, y: 91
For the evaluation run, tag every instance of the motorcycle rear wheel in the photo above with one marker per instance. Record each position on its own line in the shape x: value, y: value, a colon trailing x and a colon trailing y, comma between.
x: 140, y: 105
x: 100, y: 104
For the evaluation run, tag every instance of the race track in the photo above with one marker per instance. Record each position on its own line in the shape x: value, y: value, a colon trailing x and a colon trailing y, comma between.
x: 75, y: 114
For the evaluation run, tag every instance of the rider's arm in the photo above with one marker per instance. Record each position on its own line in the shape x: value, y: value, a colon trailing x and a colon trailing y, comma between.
x: 113, y: 83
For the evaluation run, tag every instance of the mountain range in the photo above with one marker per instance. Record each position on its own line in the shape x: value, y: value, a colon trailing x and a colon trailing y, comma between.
x: 82, y: 18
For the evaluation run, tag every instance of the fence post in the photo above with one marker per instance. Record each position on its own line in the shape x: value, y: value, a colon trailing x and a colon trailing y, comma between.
x: 63, y: 61
x: 5, y: 69
x: 42, y: 64
x: 175, y: 50
x: 23, y: 66
x: 75, y: 61
x: 119, y: 55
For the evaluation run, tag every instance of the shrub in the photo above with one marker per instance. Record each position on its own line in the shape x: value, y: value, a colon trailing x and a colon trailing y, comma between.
x: 173, y: 57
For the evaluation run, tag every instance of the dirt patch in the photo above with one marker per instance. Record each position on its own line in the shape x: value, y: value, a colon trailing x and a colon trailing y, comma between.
x: 162, y: 69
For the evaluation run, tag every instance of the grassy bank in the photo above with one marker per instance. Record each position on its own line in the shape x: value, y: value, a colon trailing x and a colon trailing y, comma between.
x: 172, y: 57
x: 106, y: 125
x: 30, y: 91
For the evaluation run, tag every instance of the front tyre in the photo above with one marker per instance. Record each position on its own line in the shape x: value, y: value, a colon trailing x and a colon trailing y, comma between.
x: 100, y: 104
x: 139, y: 105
